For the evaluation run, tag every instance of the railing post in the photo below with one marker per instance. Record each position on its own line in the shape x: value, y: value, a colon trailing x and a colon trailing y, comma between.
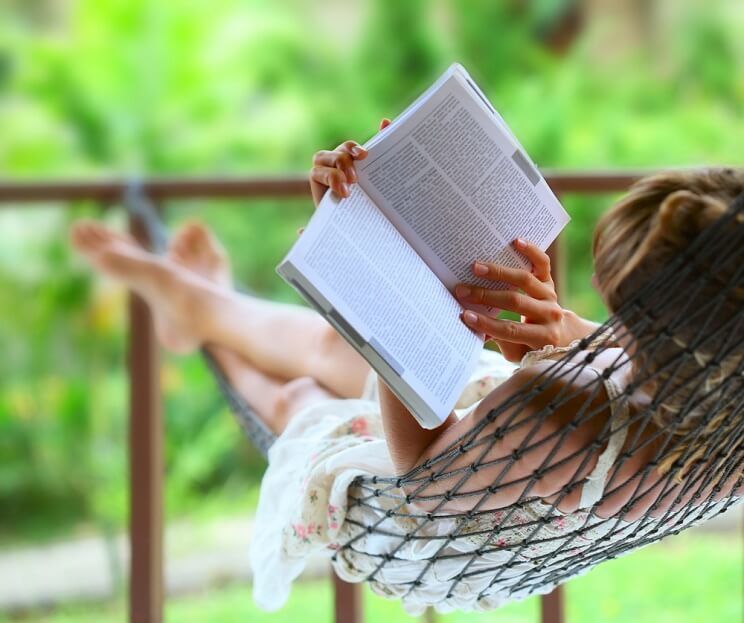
x: 552, y: 608
x: 347, y: 601
x: 145, y: 463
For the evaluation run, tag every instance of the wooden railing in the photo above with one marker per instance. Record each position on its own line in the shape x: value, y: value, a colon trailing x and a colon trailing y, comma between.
x: 145, y: 421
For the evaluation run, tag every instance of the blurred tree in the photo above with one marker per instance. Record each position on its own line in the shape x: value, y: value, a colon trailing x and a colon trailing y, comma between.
x: 399, y: 53
x: 241, y: 86
x: 622, y: 26
x: 709, y: 62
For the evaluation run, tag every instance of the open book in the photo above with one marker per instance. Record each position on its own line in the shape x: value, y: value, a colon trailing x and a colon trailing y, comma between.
x: 445, y: 184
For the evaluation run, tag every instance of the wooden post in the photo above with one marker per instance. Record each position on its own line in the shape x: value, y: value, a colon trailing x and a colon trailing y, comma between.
x: 145, y: 464
x: 347, y: 601
x: 552, y: 608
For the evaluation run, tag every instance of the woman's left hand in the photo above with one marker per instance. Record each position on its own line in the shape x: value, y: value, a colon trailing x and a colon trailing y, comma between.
x: 544, y: 321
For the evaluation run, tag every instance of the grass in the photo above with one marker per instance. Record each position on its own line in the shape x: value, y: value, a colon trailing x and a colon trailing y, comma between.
x: 687, y: 579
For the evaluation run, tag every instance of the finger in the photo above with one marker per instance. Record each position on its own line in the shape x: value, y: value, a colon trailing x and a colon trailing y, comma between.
x: 324, y: 158
x: 331, y: 177
x: 354, y: 149
x: 511, y: 300
x: 538, y: 258
x: 384, y: 123
x: 337, y: 158
x: 522, y: 279
x: 345, y: 162
x: 511, y: 352
x: 341, y: 158
x: 532, y: 335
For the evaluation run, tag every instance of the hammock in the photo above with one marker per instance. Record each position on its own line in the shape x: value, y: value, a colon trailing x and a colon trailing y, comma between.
x: 700, y: 480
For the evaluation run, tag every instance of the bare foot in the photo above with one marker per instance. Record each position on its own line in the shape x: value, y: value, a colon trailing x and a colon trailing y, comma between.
x: 173, y: 294
x: 195, y: 248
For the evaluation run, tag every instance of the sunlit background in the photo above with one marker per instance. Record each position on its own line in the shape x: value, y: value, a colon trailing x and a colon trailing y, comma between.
x: 98, y: 88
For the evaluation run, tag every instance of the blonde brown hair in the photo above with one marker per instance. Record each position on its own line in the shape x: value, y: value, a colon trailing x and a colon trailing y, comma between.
x: 642, y: 233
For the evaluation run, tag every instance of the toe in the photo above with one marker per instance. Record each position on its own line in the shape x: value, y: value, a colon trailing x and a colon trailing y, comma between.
x: 98, y: 235
x: 199, y: 238
x: 200, y: 233
x: 210, y: 246
x: 185, y: 240
x: 191, y: 231
x: 192, y: 244
x: 77, y: 234
x: 176, y: 247
x: 85, y: 235
x: 92, y: 237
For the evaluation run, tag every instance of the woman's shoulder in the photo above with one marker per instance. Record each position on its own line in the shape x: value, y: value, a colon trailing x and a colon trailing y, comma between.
x: 552, y: 375
x: 542, y: 385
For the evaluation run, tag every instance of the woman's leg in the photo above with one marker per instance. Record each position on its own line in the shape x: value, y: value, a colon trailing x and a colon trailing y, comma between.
x: 287, y: 341
x: 284, y: 341
x: 274, y: 400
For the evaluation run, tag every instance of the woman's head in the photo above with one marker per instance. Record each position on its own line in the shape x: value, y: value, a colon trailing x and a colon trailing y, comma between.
x: 640, y: 235
x: 656, y: 220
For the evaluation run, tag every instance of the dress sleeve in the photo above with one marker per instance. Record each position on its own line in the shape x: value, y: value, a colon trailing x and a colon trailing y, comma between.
x: 553, y: 353
x: 594, y: 484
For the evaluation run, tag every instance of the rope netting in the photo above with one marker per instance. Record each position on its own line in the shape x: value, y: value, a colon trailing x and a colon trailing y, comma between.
x: 477, y: 516
x: 692, y: 465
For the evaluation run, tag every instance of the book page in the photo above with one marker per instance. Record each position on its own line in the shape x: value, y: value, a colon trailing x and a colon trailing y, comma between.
x: 456, y: 183
x: 358, y: 270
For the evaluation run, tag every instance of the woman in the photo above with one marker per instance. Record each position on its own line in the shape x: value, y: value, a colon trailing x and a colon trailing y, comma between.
x: 336, y: 423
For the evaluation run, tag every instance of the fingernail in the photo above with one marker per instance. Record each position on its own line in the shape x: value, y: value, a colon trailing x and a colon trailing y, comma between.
x: 480, y: 269
x: 462, y: 291
x: 345, y: 189
x: 470, y: 317
x: 520, y: 243
x: 358, y: 151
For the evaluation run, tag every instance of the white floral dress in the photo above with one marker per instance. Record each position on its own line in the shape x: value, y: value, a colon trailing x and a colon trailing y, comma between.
x: 303, y: 510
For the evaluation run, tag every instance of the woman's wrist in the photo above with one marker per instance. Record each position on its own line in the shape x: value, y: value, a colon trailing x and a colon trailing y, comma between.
x: 575, y: 328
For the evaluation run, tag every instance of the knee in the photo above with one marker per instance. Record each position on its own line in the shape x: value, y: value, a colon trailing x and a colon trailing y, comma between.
x: 329, y: 344
x: 294, y: 395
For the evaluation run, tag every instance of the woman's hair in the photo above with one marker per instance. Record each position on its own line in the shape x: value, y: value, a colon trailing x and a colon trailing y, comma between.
x: 642, y: 233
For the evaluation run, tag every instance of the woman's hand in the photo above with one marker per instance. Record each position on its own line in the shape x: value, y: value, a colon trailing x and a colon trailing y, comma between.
x: 544, y: 321
x: 335, y: 169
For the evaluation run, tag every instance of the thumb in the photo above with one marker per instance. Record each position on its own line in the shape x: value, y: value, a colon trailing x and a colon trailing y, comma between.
x: 511, y: 352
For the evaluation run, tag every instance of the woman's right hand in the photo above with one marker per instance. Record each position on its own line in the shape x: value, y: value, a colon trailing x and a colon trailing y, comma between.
x: 335, y: 169
x: 533, y: 297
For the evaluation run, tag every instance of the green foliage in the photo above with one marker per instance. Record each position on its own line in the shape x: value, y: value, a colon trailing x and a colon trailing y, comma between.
x: 247, y: 86
x: 410, y: 50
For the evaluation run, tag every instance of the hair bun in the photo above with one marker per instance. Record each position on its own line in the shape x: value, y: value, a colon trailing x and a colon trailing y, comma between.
x: 683, y: 214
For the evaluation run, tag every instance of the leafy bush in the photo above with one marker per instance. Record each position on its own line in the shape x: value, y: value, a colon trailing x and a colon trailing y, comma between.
x: 242, y: 87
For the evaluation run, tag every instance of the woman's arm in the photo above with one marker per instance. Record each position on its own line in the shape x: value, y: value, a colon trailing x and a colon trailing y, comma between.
x: 537, y: 434
x: 406, y: 439
x: 496, y: 465
x: 564, y: 454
